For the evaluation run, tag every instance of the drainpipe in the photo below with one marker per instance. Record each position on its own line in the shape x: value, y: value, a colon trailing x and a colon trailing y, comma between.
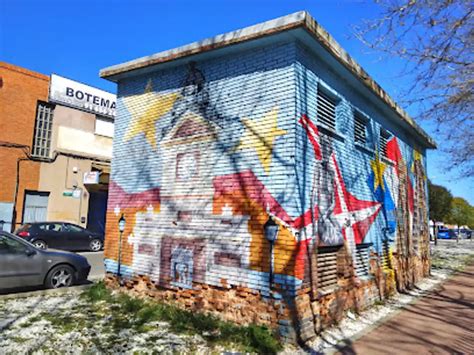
x: 15, y: 196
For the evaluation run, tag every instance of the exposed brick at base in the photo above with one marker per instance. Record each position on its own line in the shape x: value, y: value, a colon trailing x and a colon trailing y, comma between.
x: 295, y: 318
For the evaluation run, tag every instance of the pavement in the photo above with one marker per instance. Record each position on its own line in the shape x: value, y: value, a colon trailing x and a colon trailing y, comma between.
x: 96, y: 260
x: 441, y: 322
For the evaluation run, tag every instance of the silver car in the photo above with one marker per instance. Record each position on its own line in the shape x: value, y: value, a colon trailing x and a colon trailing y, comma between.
x: 24, y: 265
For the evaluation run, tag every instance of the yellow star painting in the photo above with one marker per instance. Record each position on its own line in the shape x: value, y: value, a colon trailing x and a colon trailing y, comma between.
x: 417, y: 156
x: 145, y: 110
x: 378, y: 167
x: 260, y: 135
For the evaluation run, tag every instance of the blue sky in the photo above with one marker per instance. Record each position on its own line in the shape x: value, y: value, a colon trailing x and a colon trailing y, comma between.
x: 78, y: 38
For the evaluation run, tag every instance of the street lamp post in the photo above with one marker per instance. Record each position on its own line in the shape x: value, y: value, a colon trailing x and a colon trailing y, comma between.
x: 271, y: 232
x: 121, y: 224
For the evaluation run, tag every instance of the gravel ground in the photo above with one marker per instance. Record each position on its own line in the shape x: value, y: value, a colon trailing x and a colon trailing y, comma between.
x: 69, y: 324
x: 49, y: 325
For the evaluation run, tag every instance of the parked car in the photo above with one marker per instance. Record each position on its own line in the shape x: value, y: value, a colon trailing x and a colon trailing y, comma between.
x: 60, y: 235
x: 465, y: 233
x: 24, y: 265
x: 447, y: 234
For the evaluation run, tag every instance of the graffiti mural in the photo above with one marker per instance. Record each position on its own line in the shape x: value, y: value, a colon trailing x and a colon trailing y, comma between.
x: 206, y: 178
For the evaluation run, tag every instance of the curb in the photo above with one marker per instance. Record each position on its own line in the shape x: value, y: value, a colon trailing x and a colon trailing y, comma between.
x: 48, y: 292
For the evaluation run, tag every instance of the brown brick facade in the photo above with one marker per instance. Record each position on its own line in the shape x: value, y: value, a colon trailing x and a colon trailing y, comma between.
x: 20, y: 90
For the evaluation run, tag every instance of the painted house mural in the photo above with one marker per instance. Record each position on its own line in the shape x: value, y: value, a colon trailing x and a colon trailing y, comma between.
x: 207, y: 151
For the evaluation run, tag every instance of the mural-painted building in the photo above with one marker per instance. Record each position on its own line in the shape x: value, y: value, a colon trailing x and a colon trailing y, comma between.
x: 274, y: 121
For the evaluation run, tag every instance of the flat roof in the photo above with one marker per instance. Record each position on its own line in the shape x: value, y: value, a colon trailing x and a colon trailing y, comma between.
x: 299, y: 20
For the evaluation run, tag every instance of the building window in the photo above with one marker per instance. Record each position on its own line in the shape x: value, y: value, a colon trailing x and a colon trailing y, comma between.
x: 43, y: 130
x: 360, y: 128
x: 104, y: 126
x: 384, y: 136
x: 326, y: 109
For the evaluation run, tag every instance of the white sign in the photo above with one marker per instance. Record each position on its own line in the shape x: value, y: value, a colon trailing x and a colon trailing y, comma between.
x: 84, y: 97
x: 77, y: 193
x: 91, y: 177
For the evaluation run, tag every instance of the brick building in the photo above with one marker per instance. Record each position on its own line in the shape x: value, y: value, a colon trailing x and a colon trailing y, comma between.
x: 219, y: 141
x: 55, y: 149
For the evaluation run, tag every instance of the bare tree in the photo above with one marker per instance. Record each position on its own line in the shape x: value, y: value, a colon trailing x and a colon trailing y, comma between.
x: 435, y: 39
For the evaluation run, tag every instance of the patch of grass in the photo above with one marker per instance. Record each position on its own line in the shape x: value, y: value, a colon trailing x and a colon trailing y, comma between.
x: 18, y: 340
x: 97, y: 292
x: 132, y: 312
x: 379, y: 302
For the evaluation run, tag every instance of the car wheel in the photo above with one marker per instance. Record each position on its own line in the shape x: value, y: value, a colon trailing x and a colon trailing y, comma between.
x: 60, y: 276
x: 95, y: 245
x: 40, y: 244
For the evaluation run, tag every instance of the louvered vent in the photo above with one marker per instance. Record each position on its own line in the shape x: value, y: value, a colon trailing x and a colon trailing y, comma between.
x: 385, y: 259
x: 360, y: 125
x: 384, y: 135
x: 362, y: 260
x: 326, y: 109
x: 327, y: 267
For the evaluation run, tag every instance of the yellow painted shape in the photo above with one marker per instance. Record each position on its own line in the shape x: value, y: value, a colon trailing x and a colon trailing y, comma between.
x: 285, y: 252
x: 378, y: 167
x: 260, y: 135
x: 145, y: 110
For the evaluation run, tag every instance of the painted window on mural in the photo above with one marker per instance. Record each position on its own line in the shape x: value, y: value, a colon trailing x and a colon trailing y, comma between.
x: 360, y: 128
x: 43, y: 130
x: 187, y: 165
x: 326, y: 109
x: 182, y: 267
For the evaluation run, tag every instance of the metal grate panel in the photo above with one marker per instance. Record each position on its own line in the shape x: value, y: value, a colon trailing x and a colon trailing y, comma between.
x: 360, y: 127
x: 326, y: 110
x: 362, y: 260
x: 327, y: 267
x: 385, y: 259
x: 384, y: 136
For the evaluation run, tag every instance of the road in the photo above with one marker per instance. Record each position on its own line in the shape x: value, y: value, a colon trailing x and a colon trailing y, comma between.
x: 96, y: 260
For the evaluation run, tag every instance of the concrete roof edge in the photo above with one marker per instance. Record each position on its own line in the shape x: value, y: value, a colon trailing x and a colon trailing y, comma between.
x: 222, y: 40
x: 295, y: 20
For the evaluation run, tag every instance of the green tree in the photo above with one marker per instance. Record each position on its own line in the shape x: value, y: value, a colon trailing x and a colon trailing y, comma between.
x: 462, y: 213
x: 440, y: 200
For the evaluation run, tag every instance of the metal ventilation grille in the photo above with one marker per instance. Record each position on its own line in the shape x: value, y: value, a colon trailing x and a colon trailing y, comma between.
x: 326, y: 109
x: 385, y: 259
x: 362, y: 260
x: 384, y: 135
x: 327, y: 267
x: 360, y: 125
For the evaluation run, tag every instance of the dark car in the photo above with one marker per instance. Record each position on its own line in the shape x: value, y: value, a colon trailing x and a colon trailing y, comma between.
x: 24, y: 265
x: 60, y: 235
x: 465, y: 233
